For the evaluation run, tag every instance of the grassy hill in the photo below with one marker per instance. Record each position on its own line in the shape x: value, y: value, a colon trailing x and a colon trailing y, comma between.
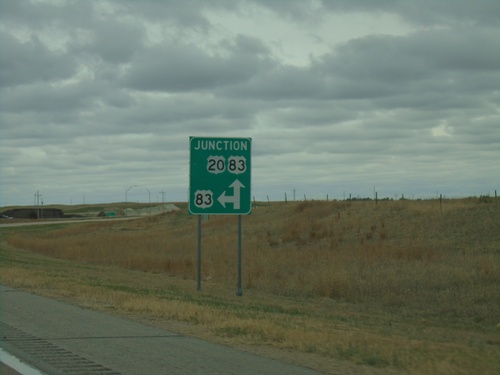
x: 403, y: 286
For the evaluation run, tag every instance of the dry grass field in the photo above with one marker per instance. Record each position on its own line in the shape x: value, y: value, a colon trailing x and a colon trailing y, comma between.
x: 395, y: 287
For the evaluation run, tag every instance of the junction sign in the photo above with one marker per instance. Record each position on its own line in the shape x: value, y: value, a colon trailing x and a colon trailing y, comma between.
x: 219, y: 175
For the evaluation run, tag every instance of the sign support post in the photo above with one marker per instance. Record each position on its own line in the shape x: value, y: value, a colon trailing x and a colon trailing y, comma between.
x: 239, y: 292
x: 199, y: 252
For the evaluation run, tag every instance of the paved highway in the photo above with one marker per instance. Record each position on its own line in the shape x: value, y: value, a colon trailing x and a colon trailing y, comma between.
x: 15, y: 223
x: 59, y: 338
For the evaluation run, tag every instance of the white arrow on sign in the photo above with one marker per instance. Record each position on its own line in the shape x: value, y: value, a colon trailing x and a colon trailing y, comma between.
x: 235, y: 198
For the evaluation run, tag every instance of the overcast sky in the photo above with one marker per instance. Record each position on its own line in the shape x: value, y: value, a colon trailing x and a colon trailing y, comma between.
x: 339, y: 97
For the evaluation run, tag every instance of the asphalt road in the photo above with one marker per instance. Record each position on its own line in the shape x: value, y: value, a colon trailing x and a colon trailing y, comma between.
x: 25, y: 223
x: 59, y: 338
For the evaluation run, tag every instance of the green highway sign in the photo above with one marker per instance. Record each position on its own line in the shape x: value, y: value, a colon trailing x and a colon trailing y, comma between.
x: 219, y: 175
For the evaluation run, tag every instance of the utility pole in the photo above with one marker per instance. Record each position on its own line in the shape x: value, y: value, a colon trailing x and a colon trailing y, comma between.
x: 37, y: 203
x: 163, y: 196
x: 126, y: 192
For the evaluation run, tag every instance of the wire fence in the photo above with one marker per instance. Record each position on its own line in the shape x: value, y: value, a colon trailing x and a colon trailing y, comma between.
x: 287, y: 197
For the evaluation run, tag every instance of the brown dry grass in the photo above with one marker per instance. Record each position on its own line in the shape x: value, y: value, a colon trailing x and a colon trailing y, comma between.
x: 409, y: 286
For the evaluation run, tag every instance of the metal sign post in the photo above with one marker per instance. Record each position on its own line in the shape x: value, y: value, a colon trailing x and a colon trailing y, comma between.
x: 239, y: 292
x: 219, y: 183
x: 199, y: 252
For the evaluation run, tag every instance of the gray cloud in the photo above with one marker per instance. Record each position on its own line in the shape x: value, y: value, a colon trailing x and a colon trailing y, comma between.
x: 115, y: 42
x: 173, y: 67
x: 426, y: 12
x: 31, y: 61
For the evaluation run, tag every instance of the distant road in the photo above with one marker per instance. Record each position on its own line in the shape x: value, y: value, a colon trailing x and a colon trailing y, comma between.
x: 59, y: 338
x: 10, y: 223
